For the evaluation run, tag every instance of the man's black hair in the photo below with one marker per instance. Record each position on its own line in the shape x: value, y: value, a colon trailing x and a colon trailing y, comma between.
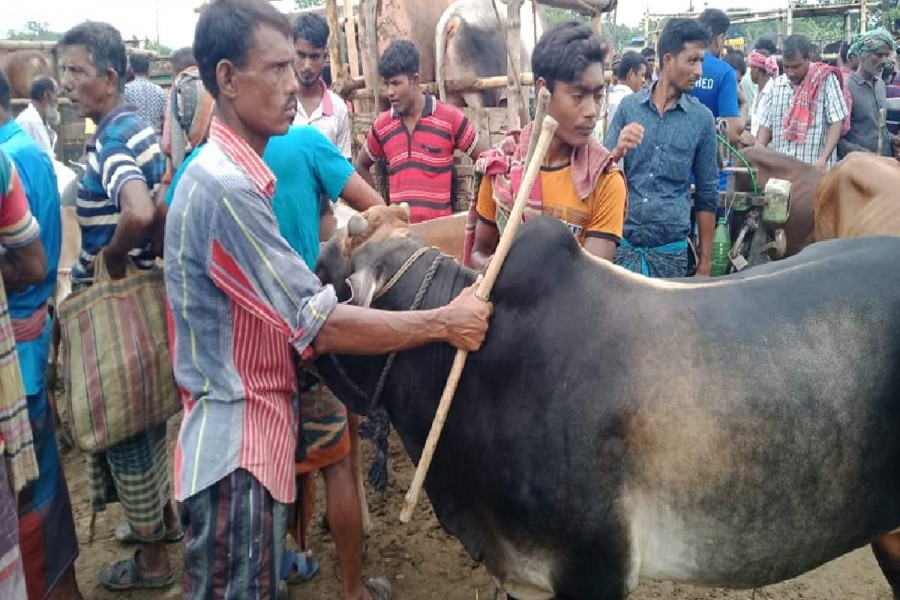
x: 736, y: 61
x: 766, y: 44
x: 630, y: 61
x: 140, y: 64
x: 798, y: 45
x: 226, y: 31
x: 833, y: 48
x: 679, y: 32
x: 104, y: 46
x: 41, y: 85
x: 313, y: 28
x: 844, y: 52
x: 182, y: 59
x: 5, y: 93
x: 400, y: 58
x: 715, y: 20
x: 565, y: 51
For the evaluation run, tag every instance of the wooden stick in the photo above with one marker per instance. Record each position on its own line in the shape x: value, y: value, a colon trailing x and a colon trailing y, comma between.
x: 356, y: 464
x: 882, y: 123
x: 350, y: 36
x: 548, y: 129
x: 540, y: 111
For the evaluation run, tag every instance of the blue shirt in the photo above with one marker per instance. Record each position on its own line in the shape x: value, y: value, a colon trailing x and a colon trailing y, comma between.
x: 39, y: 181
x: 124, y: 148
x: 717, y: 88
x: 306, y: 166
x: 677, y: 144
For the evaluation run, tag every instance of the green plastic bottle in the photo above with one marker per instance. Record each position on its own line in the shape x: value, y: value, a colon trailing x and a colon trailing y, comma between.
x: 720, y: 247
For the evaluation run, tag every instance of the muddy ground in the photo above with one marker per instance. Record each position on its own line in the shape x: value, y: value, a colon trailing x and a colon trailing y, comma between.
x: 423, y: 563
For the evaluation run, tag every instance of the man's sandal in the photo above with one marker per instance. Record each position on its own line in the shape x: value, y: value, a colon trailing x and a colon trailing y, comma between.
x: 126, y: 575
x: 379, y: 588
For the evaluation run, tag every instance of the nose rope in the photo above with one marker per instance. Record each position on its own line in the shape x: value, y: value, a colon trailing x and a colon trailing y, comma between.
x: 416, y: 304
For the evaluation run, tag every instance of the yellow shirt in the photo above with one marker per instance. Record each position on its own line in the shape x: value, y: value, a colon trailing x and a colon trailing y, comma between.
x: 601, y: 215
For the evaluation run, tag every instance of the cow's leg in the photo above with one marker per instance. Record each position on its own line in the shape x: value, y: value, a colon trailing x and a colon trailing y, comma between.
x: 597, y: 571
x: 887, y: 552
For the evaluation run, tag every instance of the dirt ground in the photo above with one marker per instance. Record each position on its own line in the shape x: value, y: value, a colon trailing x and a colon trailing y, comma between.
x: 423, y: 563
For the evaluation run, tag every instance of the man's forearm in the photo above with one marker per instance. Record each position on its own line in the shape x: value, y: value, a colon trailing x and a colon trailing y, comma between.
x: 764, y: 136
x: 706, y: 224
x: 130, y: 233
x: 355, y: 330
x: 831, y: 141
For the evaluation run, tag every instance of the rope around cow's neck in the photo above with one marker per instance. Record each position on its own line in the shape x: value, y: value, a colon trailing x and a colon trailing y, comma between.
x: 416, y: 305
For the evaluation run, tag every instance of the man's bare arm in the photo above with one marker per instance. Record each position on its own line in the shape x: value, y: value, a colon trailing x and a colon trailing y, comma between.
x: 363, y: 166
x: 359, y: 194
x: 356, y: 330
x: 706, y: 225
x: 24, y: 266
x: 487, y: 236
x: 831, y: 141
x: 600, y: 247
x: 138, y: 213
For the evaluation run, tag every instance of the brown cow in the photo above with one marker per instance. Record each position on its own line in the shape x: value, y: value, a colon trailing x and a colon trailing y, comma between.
x: 805, y: 181
x: 21, y: 67
x: 858, y: 198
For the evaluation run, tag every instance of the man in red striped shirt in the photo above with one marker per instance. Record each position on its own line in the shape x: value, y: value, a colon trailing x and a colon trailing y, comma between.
x: 243, y: 305
x: 417, y: 137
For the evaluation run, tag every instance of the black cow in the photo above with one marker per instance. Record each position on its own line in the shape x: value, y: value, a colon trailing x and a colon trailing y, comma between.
x: 733, y: 432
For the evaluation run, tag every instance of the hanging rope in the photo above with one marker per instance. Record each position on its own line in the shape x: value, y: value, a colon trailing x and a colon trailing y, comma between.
x: 753, y: 181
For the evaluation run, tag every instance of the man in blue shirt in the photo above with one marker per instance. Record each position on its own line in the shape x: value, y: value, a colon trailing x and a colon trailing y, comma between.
x: 44, y: 507
x: 717, y: 88
x: 665, y: 136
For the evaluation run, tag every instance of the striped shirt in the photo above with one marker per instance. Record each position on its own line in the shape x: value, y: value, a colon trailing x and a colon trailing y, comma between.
x: 123, y: 148
x: 829, y: 109
x: 420, y: 163
x: 242, y: 303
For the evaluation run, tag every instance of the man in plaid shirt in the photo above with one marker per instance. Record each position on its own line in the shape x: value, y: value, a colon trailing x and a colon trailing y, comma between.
x: 806, y: 110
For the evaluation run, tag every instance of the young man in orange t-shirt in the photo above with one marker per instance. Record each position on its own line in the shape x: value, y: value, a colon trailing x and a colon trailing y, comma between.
x: 580, y: 183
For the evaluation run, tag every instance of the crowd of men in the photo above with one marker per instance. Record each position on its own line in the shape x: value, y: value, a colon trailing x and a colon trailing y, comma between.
x: 241, y: 162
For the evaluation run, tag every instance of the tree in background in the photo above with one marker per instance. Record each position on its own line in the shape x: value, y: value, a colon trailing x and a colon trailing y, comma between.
x: 34, y: 31
x: 309, y: 3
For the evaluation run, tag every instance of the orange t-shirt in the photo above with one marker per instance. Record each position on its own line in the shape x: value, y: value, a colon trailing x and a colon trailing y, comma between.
x: 601, y: 215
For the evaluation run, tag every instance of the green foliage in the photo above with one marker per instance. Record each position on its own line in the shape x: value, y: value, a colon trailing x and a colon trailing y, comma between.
x: 33, y: 31
x: 160, y: 49
x: 309, y: 3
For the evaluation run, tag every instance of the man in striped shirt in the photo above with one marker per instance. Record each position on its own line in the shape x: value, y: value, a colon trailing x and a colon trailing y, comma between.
x: 244, y: 304
x: 417, y: 137
x: 116, y: 213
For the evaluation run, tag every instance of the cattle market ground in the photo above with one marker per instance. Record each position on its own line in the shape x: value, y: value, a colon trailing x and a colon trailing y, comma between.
x: 423, y: 563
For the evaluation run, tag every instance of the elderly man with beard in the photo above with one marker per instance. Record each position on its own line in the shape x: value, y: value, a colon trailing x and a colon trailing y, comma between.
x: 875, y: 49
x: 42, y: 114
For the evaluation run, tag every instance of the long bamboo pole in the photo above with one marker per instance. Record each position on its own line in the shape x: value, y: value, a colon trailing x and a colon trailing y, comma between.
x: 547, y: 131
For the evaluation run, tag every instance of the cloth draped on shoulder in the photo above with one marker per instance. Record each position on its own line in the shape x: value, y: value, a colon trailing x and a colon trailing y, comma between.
x: 799, y: 118
x: 504, y: 165
x: 189, y: 111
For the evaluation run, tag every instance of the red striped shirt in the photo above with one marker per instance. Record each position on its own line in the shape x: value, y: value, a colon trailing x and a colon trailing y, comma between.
x: 420, y: 163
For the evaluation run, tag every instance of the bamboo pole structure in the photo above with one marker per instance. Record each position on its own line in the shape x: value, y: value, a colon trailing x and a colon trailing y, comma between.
x: 334, y: 40
x: 514, y: 55
x: 533, y: 167
x: 350, y: 36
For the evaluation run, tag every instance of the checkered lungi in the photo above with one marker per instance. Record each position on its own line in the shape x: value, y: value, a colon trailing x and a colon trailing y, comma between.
x: 135, y: 473
x: 233, y: 541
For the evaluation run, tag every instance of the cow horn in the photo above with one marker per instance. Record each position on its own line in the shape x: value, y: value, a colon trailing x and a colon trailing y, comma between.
x: 357, y: 226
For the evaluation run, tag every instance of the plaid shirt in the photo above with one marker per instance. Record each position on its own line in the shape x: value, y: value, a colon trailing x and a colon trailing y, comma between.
x: 830, y: 108
x: 242, y: 303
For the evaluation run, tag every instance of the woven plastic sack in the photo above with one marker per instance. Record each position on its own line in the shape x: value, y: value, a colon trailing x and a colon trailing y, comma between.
x: 116, y: 362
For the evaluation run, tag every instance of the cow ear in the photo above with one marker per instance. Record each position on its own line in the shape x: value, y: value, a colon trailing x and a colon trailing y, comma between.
x: 363, y: 285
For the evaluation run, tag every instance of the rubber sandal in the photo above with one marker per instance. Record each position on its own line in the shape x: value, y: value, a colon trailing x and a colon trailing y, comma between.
x: 125, y: 534
x: 379, y: 588
x: 297, y: 567
x: 125, y: 575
